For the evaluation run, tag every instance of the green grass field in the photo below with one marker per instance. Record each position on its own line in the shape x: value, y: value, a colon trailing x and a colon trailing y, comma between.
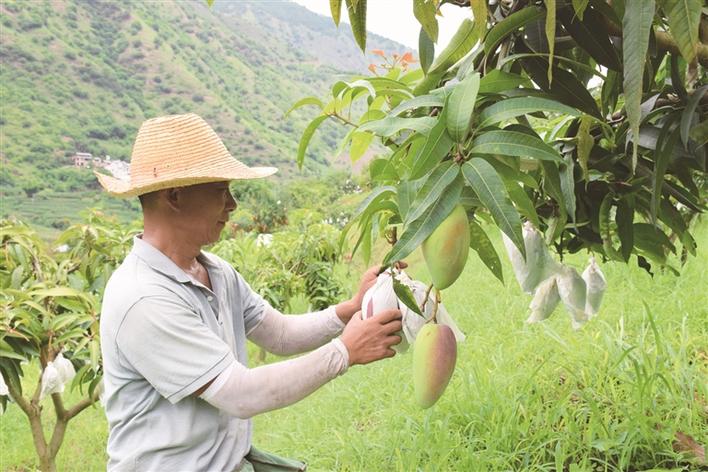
x: 608, y: 397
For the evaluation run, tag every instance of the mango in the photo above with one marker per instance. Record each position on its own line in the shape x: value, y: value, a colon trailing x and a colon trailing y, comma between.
x: 434, y: 357
x: 446, y: 249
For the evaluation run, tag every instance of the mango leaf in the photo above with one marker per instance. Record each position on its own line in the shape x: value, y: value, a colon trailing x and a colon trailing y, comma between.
x: 479, y: 241
x: 550, y: 34
x: 210, y: 2
x: 662, y: 156
x: 357, y: 18
x: 513, y: 107
x: 636, y: 27
x: 405, y: 196
x: 436, y: 147
x: 424, y: 11
x: 566, y: 88
x: 579, y: 6
x: 418, y: 102
x: 479, y: 14
x: 687, y: 115
x: 418, y: 230
x: 652, y: 241
x: 513, y: 143
x: 496, y: 80
x: 460, y: 44
x: 518, y: 196
x: 360, y: 143
x: 395, y: 124
x: 552, y: 184
x: 438, y: 180
x: 306, y: 101
x: 567, y: 183
x: 606, y: 228
x: 684, y: 19
x: 590, y: 34
x: 624, y: 219
x: 404, y: 294
x: 699, y: 133
x: 306, y: 137
x: 510, y: 24
x: 491, y: 191
x: 335, y: 6
x: 460, y: 106
x: 585, y: 144
x: 426, y: 50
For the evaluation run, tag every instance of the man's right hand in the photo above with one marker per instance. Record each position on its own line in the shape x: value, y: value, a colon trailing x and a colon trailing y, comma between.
x: 371, y: 339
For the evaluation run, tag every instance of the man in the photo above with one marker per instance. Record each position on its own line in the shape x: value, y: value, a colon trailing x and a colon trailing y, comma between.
x: 175, y: 319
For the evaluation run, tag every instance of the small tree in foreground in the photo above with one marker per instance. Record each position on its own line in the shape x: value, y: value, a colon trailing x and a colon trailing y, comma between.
x: 49, y: 316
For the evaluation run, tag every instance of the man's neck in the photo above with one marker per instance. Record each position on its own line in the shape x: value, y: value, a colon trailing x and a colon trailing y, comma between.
x: 178, y: 248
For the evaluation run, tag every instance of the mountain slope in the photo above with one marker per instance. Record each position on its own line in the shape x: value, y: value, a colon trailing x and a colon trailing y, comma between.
x: 82, y: 76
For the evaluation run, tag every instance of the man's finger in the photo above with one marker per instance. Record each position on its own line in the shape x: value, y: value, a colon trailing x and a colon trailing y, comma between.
x: 384, y: 316
x: 392, y: 326
x: 393, y: 340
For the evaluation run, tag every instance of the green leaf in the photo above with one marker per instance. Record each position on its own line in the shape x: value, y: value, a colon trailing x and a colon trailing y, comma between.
x: 636, y: 27
x: 662, y: 156
x: 421, y: 228
x: 426, y: 50
x: 460, y: 106
x: 550, y: 34
x: 579, y: 6
x: 591, y: 35
x: 479, y: 241
x: 439, y: 179
x: 652, y: 242
x: 513, y: 143
x: 335, y: 6
x: 567, y: 183
x: 492, y: 193
x: 585, y: 144
x: 519, y: 196
x: 424, y: 11
x: 460, y: 44
x: 418, y: 102
x: 306, y: 137
x: 479, y: 14
x: 510, y: 24
x: 566, y: 88
x: 687, y: 116
x: 684, y: 20
x: 395, y: 124
x: 699, y: 133
x: 624, y: 218
x: 404, y: 294
x: 513, y: 107
x: 210, y: 3
x: 360, y: 143
x: 606, y: 228
x: 436, y: 147
x: 496, y: 80
x: 552, y: 185
x: 357, y: 18
x: 306, y: 101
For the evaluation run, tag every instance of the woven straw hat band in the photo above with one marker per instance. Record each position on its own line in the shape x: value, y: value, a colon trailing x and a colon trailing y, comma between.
x: 176, y: 151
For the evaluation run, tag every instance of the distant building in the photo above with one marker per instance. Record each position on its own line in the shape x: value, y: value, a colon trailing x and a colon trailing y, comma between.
x: 119, y: 169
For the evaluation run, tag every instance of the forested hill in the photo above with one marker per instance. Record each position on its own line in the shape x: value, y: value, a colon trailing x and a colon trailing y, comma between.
x: 82, y: 76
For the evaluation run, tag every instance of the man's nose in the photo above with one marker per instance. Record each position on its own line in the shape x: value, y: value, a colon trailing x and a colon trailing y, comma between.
x: 231, y: 203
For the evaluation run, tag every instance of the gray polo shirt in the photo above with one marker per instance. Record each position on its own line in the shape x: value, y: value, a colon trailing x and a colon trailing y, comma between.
x: 163, y: 336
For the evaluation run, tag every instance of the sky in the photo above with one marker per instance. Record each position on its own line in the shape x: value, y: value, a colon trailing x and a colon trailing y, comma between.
x: 394, y: 19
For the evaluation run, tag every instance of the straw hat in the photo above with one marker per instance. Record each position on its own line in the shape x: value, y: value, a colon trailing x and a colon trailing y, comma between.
x: 177, y: 151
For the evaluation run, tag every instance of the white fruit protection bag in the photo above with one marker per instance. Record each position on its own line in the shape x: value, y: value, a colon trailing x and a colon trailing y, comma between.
x: 596, y: 285
x: 539, y: 264
x: 55, y: 375
x: 381, y: 296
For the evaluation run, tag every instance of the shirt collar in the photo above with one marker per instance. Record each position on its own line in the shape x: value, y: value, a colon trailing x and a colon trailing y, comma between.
x: 163, y: 264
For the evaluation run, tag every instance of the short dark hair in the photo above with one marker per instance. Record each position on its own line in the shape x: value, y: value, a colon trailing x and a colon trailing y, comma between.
x: 147, y: 198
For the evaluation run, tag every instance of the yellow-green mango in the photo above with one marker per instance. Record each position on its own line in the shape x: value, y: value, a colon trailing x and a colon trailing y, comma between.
x: 434, y: 357
x: 446, y: 249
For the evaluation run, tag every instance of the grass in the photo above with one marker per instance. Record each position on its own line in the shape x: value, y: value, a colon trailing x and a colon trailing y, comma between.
x: 608, y: 397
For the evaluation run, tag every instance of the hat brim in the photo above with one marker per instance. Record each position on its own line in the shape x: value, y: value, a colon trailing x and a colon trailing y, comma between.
x: 123, y: 189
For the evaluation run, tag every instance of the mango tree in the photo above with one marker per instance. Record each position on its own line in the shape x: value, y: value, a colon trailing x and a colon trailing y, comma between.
x: 585, y: 118
x: 49, y: 318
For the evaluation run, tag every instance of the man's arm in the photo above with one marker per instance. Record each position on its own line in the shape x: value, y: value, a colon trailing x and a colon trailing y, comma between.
x: 244, y: 392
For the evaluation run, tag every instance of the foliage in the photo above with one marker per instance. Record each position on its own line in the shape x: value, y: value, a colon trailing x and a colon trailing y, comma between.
x: 298, y: 260
x: 50, y: 306
x: 621, y: 172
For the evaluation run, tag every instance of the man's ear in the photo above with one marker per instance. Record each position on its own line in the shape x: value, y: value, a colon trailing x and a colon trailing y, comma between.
x: 172, y: 196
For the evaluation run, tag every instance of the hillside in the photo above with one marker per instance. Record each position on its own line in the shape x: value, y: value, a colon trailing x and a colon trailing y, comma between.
x: 82, y: 76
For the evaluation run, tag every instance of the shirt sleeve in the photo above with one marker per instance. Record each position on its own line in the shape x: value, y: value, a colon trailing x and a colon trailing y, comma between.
x: 169, y: 344
x: 252, y: 304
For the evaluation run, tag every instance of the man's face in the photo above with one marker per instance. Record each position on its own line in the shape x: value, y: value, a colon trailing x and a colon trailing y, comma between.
x: 204, y: 210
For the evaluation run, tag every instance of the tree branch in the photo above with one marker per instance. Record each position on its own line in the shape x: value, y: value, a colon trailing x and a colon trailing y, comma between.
x: 19, y: 399
x: 82, y: 404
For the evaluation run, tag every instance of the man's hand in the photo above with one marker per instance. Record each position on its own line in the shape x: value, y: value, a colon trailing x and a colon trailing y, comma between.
x: 371, y: 339
x: 345, y: 310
